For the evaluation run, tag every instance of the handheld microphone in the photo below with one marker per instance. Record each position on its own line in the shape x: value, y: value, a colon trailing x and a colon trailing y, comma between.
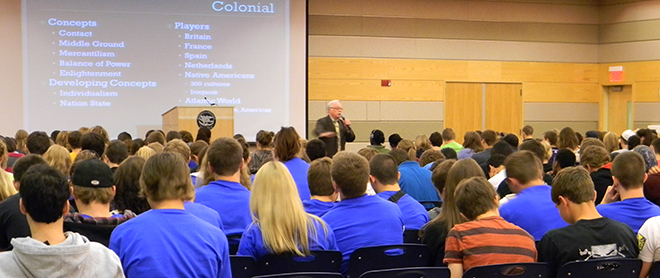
x: 209, y: 102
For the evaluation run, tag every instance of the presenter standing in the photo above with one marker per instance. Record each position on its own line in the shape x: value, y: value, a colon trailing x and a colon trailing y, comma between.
x: 334, y: 130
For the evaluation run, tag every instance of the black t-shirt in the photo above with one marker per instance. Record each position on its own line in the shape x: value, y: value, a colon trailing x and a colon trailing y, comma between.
x: 602, y: 178
x: 13, y: 223
x: 434, y: 236
x: 600, y: 238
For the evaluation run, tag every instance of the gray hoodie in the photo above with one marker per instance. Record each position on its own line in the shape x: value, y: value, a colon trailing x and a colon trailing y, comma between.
x: 75, y: 257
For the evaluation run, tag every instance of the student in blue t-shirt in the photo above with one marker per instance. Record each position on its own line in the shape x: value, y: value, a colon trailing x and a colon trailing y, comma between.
x: 624, y: 201
x: 414, y: 180
x: 272, y: 231
x: 384, y: 175
x: 225, y: 194
x: 532, y: 209
x: 319, y: 179
x: 286, y: 148
x: 168, y: 241
x: 360, y: 220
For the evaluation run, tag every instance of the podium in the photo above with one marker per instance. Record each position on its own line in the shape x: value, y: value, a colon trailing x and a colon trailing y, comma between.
x: 219, y: 119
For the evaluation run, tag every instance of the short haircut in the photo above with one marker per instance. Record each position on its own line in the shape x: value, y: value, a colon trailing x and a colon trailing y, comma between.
x: 528, y: 130
x: 376, y: 137
x: 319, y: 177
x: 94, y: 142
x: 44, y: 192
x: 591, y: 142
x: 565, y: 158
x: 633, y: 141
x: 399, y: 155
x: 436, y: 139
x: 24, y: 163
x: 535, y: 147
x: 178, y: 146
x: 384, y: 168
x: 155, y: 137
x: 136, y: 145
x: 186, y: 136
x: 87, y: 195
x: 166, y: 176
x: 38, y: 142
x: 512, y: 140
x: 647, y: 134
x: 440, y: 173
x: 629, y: 169
x: 594, y: 156
x: 368, y: 153
x: 656, y: 145
x: 350, y: 172
x: 53, y: 135
x: 429, y: 156
x: 394, y: 140
x: 315, y: 149
x: 523, y: 166
x: 123, y: 136
x: 551, y: 136
x: 197, y: 146
x: 171, y: 135
x: 11, y: 144
x: 74, y: 139
x: 574, y: 184
x: 502, y: 148
x: 225, y: 155
x: 265, y: 138
x: 116, y: 152
x: 489, y: 136
x: 204, y: 134
x: 449, y: 153
x: 101, y: 131
x: 496, y: 160
x: 287, y: 144
x: 475, y: 196
x: 448, y: 134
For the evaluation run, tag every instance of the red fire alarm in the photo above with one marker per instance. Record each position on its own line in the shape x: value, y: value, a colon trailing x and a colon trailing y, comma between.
x: 386, y: 83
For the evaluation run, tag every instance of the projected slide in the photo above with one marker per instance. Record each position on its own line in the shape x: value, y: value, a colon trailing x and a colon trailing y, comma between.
x: 121, y: 64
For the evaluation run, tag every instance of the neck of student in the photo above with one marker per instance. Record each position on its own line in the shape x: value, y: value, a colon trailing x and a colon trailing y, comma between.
x: 94, y: 209
x: 51, y: 233
x: 637, y: 192
x: 490, y: 213
x: 533, y: 183
x: 76, y: 151
x: 261, y: 148
x: 236, y: 177
x: 112, y: 165
x: 326, y: 199
x: 584, y: 211
x: 167, y: 204
x: 388, y: 187
x: 449, y: 142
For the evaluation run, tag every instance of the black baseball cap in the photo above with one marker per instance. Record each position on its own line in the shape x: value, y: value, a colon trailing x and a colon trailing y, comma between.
x: 92, y: 173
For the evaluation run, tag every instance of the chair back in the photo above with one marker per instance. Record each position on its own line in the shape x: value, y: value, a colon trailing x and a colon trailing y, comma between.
x: 612, y: 268
x: 387, y: 257
x: 408, y: 272
x: 411, y: 236
x: 318, y: 261
x: 514, y: 270
x: 655, y: 270
x: 234, y: 240
x: 303, y: 275
x: 241, y: 266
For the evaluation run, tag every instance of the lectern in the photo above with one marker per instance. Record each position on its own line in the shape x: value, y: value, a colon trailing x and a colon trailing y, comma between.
x: 220, y: 119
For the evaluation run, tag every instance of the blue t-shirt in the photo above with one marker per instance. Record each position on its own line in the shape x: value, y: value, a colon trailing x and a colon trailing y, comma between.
x: 416, y: 182
x: 428, y: 166
x: 205, y: 213
x: 316, y: 207
x: 414, y: 214
x: 171, y: 243
x: 252, y: 242
x: 533, y: 211
x: 232, y: 202
x: 632, y: 212
x: 364, y: 221
x: 298, y: 169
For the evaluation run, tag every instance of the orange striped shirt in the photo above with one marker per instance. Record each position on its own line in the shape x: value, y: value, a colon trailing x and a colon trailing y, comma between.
x: 489, y: 241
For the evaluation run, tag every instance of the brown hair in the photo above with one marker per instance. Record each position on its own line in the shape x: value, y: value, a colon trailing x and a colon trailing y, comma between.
x: 409, y: 147
x: 87, y: 194
x: 573, y: 183
x: 439, y: 176
x: 350, y: 171
x: 489, y: 136
x: 611, y: 142
x: 155, y: 137
x: 551, y: 136
x: 523, y: 166
x: 319, y: 177
x: 265, y: 138
x: 100, y: 130
x: 178, y: 146
x: 567, y: 139
x: 127, y: 182
x: 62, y: 139
x: 462, y: 169
x: 475, y: 196
x: 429, y: 156
x: 629, y: 169
x: 384, y: 168
x: 594, y: 156
x: 287, y: 144
x: 448, y: 134
x: 21, y: 139
x: 472, y: 140
x: 591, y: 142
x: 225, y: 156
x: 368, y: 153
x: 422, y: 142
x: 528, y: 130
x: 166, y: 176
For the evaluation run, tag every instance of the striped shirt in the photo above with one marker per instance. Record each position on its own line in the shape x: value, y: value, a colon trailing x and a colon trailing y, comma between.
x: 488, y: 241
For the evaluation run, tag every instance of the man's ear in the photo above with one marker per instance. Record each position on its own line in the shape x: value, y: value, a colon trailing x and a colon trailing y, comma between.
x: 22, y: 207
x: 398, y: 176
x: 66, y: 209
x: 646, y: 176
x: 334, y: 185
x: 595, y: 196
x: 615, y: 181
x: 17, y: 185
x: 563, y: 201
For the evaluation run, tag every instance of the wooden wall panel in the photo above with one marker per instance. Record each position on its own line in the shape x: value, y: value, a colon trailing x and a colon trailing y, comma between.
x: 370, y: 89
x: 646, y: 91
x: 561, y: 92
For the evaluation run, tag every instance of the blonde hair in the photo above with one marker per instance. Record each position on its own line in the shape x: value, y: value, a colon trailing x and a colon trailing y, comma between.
x: 409, y: 147
x: 6, y: 186
x: 611, y: 141
x: 273, y: 193
x: 58, y: 157
x: 206, y: 175
x: 62, y: 139
x: 422, y: 142
x: 145, y: 152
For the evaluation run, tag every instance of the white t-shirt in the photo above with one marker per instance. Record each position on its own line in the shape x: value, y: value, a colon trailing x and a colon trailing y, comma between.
x: 648, y: 238
x: 497, y: 179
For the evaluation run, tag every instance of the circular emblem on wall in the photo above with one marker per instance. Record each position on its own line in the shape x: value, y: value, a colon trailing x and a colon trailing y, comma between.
x: 206, y: 118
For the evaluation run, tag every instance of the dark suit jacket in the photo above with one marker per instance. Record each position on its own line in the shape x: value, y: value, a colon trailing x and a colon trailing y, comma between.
x: 346, y: 134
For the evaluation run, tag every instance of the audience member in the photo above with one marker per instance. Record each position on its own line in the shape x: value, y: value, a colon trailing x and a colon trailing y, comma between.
x: 115, y: 153
x: 53, y: 135
x: 488, y: 139
x: 204, y: 134
x: 486, y: 238
x: 62, y: 140
x: 633, y: 141
x: 648, y: 239
x: 127, y: 184
x: 6, y: 179
x: 38, y: 142
x: 158, y: 147
x: 21, y: 141
x: 611, y: 142
x: 155, y: 137
x: 195, y: 150
x: 136, y: 145
x: 74, y: 142
x: 512, y: 140
x: 186, y: 136
x: 565, y: 158
x: 449, y: 140
x: 168, y: 241
x: 593, y: 158
x: 275, y: 232
x: 471, y: 145
x: 354, y: 217
x: 624, y: 201
x: 551, y: 138
x: 525, y: 178
x: 12, y: 153
x: 264, y: 151
x: 589, y: 235
x: 439, y: 178
x: 319, y: 178
x: 368, y: 153
x: 449, y: 153
x: 429, y: 157
x: 101, y: 131
x: 145, y: 152
x: 58, y: 157
x: 414, y: 180
x: 376, y: 140
x: 123, y: 136
x: 568, y: 140
x: 527, y: 133
x: 623, y: 141
x: 495, y: 164
x: 49, y: 252
x: 436, y: 140
x: 172, y: 134
x: 286, y: 148
x: 393, y: 140
x: 94, y: 142
x: 645, y: 136
x: 383, y: 178
x: 315, y: 149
